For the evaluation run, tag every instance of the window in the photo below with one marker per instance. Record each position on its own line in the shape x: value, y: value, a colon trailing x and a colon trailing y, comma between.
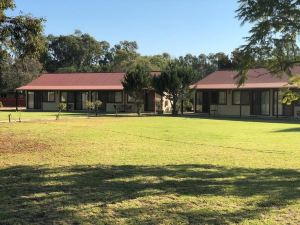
x: 218, y: 98
x: 245, y: 98
x: 115, y: 97
x: 94, y: 96
x: 30, y: 100
x: 118, y: 96
x: 85, y: 99
x: 51, y: 96
x: 236, y: 97
x: 222, y: 98
x: 265, y: 102
x: 214, y: 98
x: 63, y: 96
x: 199, y: 98
x: 240, y: 97
x: 130, y: 99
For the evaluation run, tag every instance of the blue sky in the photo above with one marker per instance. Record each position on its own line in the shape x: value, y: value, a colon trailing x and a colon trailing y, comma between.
x: 174, y: 26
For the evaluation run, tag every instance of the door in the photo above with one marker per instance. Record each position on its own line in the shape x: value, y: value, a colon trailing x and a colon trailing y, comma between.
x: 38, y: 96
x: 78, y: 101
x: 255, y: 103
x: 149, y: 100
x: 205, y: 102
x: 30, y: 100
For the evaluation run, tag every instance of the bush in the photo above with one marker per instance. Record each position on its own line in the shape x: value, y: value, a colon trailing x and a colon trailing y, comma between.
x: 60, y: 107
x: 97, y: 105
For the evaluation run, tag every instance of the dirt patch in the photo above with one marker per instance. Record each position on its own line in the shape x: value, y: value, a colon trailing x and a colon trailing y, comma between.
x: 11, y: 144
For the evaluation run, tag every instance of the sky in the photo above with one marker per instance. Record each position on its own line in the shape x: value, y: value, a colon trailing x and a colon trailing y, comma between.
x: 174, y: 26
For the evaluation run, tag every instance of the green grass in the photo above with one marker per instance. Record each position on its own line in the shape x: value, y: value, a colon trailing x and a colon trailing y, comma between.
x: 149, y: 170
x: 26, y: 115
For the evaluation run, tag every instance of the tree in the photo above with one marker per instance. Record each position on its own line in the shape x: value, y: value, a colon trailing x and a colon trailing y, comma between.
x: 177, y: 78
x: 160, y: 87
x: 97, y: 105
x: 135, y: 82
x: 123, y: 55
x: 79, y: 52
x: 60, y: 107
x: 90, y: 107
x: 273, y: 36
x: 21, y: 40
x: 18, y: 72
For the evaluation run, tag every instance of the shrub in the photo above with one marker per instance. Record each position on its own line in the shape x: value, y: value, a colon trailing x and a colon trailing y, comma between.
x: 97, y: 105
x: 60, y: 107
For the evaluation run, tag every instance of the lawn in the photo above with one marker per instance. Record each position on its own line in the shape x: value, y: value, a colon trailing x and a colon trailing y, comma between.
x: 149, y: 170
x: 25, y: 115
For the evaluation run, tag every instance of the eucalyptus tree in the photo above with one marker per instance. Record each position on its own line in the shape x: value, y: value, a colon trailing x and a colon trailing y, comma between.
x: 21, y: 44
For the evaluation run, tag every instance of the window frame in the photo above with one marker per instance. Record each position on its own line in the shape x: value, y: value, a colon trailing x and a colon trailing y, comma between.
x: 240, y: 99
x: 54, y: 95
x: 198, y: 94
x: 225, y: 92
x: 127, y: 99
x: 121, y: 99
x: 60, y: 97
x: 114, y: 97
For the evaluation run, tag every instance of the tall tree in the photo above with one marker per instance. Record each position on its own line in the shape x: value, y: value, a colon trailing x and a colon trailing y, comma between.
x: 177, y: 78
x: 124, y: 54
x: 160, y: 87
x: 18, y: 72
x: 76, y: 52
x: 136, y: 81
x: 21, y: 40
x: 273, y: 36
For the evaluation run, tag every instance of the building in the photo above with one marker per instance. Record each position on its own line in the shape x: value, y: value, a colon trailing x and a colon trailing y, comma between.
x: 218, y: 94
x: 75, y: 89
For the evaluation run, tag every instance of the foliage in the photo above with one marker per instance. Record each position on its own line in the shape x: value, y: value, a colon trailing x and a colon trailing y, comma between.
x: 177, y: 79
x: 135, y: 82
x: 289, y: 97
x: 97, y: 105
x: 89, y: 105
x: 60, y: 107
x: 21, y: 40
x: 159, y: 86
x: 273, y: 36
x: 20, y: 36
x: 18, y: 72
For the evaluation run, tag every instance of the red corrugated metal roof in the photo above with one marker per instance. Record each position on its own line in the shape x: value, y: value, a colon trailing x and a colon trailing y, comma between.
x: 257, y: 78
x: 77, y: 81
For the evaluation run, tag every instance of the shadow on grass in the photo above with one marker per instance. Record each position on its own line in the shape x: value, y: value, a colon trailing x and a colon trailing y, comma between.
x: 294, y: 129
x: 56, y: 195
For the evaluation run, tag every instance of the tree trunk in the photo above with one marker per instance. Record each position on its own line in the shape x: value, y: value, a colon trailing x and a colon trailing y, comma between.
x: 174, y: 110
x: 138, y: 109
x: 181, y: 107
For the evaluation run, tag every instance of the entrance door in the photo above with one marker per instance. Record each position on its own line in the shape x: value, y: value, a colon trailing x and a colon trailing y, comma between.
x: 38, y: 99
x: 78, y: 101
x: 205, y: 102
x: 149, y: 100
x: 256, y: 103
x: 30, y: 100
